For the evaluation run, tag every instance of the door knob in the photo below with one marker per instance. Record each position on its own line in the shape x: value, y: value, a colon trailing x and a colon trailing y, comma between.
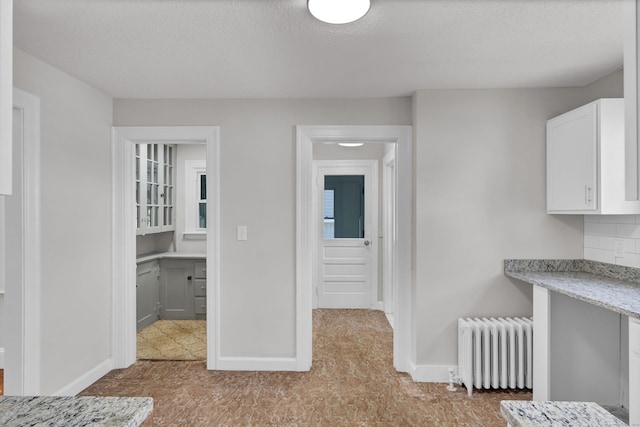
x: 367, y: 243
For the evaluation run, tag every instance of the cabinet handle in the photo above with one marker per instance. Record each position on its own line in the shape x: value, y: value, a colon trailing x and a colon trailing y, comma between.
x: 587, y: 194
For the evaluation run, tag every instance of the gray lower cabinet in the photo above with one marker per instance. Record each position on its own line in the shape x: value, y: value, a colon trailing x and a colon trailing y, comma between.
x: 183, y: 287
x: 200, y: 301
x: 177, y: 289
x: 147, y: 293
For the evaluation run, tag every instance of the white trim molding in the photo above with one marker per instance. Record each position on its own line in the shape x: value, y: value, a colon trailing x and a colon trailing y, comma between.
x: 124, y: 232
x: 432, y: 373
x: 86, y: 380
x: 6, y: 94
x: 257, y: 364
x: 22, y: 293
x: 306, y: 136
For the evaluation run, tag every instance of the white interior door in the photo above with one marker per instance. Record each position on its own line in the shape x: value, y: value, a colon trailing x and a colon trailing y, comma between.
x: 347, y: 212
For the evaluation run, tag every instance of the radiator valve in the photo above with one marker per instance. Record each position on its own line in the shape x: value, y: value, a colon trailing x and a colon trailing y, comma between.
x: 451, y: 379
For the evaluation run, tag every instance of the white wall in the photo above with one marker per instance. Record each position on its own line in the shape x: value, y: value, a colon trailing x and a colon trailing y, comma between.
x: 184, y: 153
x: 155, y: 242
x: 76, y: 222
x: 601, y: 234
x: 481, y: 198
x: 257, y: 189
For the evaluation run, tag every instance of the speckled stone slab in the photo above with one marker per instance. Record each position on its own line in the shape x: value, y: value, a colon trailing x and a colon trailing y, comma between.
x: 65, y: 411
x: 609, y: 286
x: 524, y: 413
x: 613, y: 271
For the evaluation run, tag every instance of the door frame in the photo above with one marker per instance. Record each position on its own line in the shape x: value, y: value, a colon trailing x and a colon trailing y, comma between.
x: 306, y: 136
x: 22, y: 296
x: 389, y: 231
x: 124, y: 232
x: 372, y: 165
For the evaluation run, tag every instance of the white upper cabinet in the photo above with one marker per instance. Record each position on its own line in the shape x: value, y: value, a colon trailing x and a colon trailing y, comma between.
x: 155, y: 188
x: 586, y: 161
x: 631, y: 87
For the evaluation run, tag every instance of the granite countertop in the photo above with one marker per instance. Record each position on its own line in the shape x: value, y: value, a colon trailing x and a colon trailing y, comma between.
x: 524, y: 413
x: 54, y: 411
x: 613, y: 287
x: 174, y: 255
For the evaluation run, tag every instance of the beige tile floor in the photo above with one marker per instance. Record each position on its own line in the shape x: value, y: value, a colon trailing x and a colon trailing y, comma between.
x: 352, y: 383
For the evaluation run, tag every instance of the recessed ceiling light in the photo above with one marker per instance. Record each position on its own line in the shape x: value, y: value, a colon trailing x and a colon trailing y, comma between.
x: 351, y: 144
x: 338, y: 11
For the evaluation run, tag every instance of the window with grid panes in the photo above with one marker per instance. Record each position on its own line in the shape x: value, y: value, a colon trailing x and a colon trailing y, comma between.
x: 155, y: 188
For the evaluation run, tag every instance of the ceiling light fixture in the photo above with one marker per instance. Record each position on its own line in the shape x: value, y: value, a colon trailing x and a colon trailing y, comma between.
x: 338, y: 11
x: 351, y: 144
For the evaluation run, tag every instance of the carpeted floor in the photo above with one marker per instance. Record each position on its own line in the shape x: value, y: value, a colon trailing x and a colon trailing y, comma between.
x: 352, y: 382
x: 173, y: 340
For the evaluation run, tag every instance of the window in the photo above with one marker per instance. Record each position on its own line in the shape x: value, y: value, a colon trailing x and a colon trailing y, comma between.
x: 202, y: 200
x: 329, y: 215
x: 195, y: 223
x: 343, y: 208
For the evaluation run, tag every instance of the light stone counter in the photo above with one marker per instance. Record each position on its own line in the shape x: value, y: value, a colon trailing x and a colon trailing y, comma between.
x: 613, y: 287
x: 523, y: 413
x: 56, y: 411
x: 172, y: 255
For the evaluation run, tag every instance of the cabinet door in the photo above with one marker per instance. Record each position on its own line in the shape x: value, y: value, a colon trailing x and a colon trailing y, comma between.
x: 147, y: 294
x: 177, y: 290
x: 155, y: 188
x: 634, y: 371
x: 572, y: 159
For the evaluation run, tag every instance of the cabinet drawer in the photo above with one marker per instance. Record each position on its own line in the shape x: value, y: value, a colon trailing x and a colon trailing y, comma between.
x: 201, y: 270
x: 200, y: 287
x: 201, y: 305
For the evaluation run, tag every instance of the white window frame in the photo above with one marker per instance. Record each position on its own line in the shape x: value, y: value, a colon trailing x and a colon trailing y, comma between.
x: 192, y: 171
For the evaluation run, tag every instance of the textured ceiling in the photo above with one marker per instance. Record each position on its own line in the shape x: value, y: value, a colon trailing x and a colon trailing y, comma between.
x: 275, y: 49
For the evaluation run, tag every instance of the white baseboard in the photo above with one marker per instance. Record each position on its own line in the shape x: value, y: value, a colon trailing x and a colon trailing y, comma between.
x: 1, y: 358
x: 379, y: 306
x: 86, y: 380
x: 432, y: 373
x: 257, y: 364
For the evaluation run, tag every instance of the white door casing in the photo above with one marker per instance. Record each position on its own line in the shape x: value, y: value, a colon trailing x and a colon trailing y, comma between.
x: 23, y: 269
x: 347, y: 270
x: 403, y: 340
x: 124, y: 232
x: 389, y: 233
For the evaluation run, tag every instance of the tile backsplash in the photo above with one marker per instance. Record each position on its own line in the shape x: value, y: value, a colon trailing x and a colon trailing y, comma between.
x: 612, y: 238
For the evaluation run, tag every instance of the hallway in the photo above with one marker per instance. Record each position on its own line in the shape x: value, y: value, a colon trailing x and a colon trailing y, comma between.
x: 352, y: 382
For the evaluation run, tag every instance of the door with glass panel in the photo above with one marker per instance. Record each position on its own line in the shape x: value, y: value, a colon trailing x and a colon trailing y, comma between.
x: 347, y: 210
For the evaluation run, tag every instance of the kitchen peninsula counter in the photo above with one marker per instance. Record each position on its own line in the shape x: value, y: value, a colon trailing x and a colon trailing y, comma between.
x: 601, y: 337
x: 74, y: 411
x: 613, y: 287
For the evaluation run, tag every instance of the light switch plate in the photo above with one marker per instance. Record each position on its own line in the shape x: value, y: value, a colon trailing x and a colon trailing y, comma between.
x: 241, y: 232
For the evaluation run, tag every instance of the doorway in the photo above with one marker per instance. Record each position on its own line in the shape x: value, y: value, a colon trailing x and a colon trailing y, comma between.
x: 124, y: 232
x: 346, y: 217
x: 400, y: 136
x: 21, y: 224
x: 171, y: 246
